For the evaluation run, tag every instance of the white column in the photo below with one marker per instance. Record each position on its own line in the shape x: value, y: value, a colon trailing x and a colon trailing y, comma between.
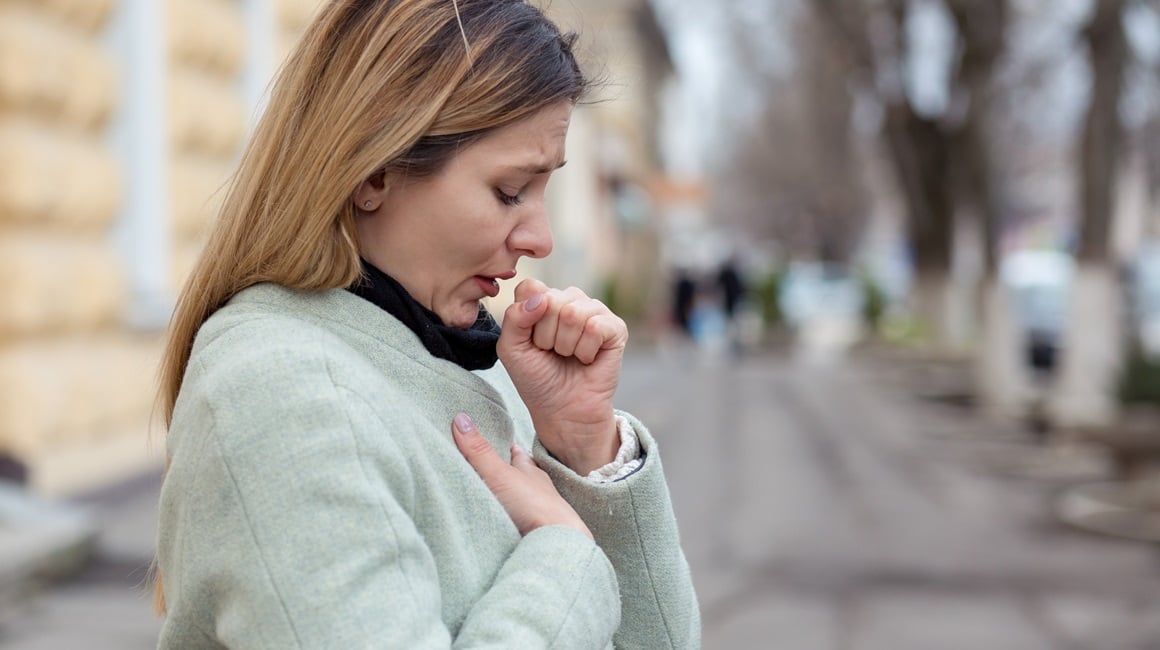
x: 143, y: 233
x: 261, y: 51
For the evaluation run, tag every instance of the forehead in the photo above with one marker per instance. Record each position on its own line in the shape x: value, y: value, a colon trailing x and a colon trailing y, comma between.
x: 534, y: 140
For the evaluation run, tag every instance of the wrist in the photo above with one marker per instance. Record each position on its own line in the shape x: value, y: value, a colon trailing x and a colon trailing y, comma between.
x: 629, y: 457
x: 581, y: 447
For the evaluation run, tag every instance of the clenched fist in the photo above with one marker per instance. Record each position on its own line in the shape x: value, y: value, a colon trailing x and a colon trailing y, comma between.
x: 563, y: 351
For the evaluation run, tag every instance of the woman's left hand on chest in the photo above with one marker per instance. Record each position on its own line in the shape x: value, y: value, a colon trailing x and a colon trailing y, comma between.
x: 563, y: 351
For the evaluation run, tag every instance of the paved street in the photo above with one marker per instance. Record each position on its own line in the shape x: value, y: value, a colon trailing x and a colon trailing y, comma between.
x: 822, y: 507
x: 827, y: 508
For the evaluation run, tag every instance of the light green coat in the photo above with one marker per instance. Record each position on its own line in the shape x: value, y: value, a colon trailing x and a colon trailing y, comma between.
x: 316, y: 500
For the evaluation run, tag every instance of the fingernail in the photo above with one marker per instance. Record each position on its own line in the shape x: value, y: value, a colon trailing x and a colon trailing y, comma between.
x: 464, y: 424
x: 531, y: 303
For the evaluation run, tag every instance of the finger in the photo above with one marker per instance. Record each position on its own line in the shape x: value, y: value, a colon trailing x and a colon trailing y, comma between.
x: 521, y: 316
x: 604, y: 332
x: 521, y: 459
x: 544, y: 332
x: 477, y: 450
x: 523, y: 462
x: 572, y: 320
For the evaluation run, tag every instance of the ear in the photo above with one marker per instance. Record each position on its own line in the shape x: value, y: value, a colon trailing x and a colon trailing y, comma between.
x: 368, y: 196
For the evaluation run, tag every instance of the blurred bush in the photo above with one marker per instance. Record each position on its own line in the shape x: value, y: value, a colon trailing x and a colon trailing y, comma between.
x: 1140, y: 382
x: 766, y: 293
x: 621, y: 300
x: 874, y: 302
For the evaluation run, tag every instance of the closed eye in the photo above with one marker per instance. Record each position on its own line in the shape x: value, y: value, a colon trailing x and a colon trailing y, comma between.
x: 509, y: 199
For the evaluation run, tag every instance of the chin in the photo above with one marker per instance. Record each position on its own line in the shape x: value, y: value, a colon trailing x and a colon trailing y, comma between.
x: 462, y: 318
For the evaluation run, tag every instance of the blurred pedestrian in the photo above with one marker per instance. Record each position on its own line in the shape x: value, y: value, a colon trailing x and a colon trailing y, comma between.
x: 731, y: 286
x: 349, y: 466
x: 684, y: 294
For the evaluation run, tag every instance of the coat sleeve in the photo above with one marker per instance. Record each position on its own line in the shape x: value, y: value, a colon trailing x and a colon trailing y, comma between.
x: 633, y: 521
x: 280, y: 529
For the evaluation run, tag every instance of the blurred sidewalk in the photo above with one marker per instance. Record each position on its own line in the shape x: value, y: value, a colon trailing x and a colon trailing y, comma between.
x: 104, y: 606
x: 822, y: 506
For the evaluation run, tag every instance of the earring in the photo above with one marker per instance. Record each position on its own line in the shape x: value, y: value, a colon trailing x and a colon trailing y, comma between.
x: 368, y: 205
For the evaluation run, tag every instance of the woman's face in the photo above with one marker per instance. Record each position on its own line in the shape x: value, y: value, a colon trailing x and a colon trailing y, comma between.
x: 448, y: 238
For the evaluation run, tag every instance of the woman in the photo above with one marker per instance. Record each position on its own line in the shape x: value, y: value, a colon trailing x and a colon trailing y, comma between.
x: 349, y: 466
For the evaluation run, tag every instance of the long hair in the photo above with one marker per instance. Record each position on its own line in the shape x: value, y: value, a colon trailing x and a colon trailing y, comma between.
x: 394, y: 86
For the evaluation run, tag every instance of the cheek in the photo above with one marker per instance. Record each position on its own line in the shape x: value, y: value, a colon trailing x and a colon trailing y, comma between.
x: 480, y: 240
x: 463, y: 253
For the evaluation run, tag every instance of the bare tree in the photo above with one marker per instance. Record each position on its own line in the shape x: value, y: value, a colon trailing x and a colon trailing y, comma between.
x: 793, y: 177
x: 941, y: 162
x: 1102, y: 133
x: 982, y: 26
x: 1087, y: 390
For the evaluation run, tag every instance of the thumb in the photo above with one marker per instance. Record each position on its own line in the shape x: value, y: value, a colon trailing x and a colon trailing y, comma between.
x: 528, y: 288
x: 521, y: 317
x: 476, y: 449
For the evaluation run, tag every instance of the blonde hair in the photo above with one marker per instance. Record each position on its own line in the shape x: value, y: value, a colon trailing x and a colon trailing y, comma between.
x: 374, y: 86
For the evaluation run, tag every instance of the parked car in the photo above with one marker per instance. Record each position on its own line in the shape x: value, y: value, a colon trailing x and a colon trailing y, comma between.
x: 1143, y: 280
x: 1040, y: 284
x: 813, y: 291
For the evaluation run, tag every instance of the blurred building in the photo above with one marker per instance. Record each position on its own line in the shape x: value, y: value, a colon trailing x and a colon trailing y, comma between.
x: 120, y: 121
x: 605, y: 216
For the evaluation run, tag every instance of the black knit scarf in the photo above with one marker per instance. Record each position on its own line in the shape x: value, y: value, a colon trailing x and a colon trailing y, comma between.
x: 472, y: 348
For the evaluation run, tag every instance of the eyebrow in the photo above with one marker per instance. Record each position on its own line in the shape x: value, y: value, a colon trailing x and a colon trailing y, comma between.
x: 538, y: 169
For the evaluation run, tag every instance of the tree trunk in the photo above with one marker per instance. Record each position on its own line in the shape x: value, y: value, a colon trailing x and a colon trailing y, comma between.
x: 1003, y: 383
x: 1002, y: 379
x: 933, y: 301
x: 1102, y: 133
x: 919, y: 151
x: 1086, y: 393
x: 1152, y: 164
x: 1093, y: 343
x: 982, y: 27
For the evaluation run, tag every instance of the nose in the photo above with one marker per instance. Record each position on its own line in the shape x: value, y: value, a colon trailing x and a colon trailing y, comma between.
x: 532, y: 236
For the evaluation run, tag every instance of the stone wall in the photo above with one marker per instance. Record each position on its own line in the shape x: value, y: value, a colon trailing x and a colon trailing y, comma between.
x: 77, y: 383
x: 68, y: 374
x: 207, y: 117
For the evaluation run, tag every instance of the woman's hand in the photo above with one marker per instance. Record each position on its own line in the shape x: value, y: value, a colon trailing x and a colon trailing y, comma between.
x: 522, y: 488
x: 563, y: 351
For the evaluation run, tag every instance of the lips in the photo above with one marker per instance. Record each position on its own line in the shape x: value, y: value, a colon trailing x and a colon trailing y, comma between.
x: 489, y: 284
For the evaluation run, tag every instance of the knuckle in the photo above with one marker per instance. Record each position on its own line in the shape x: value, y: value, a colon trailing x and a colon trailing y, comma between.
x: 501, y: 482
x: 571, y: 314
x: 476, y: 446
x: 544, y: 342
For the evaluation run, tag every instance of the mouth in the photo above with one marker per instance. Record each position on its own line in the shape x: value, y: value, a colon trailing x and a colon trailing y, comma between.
x: 489, y: 284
